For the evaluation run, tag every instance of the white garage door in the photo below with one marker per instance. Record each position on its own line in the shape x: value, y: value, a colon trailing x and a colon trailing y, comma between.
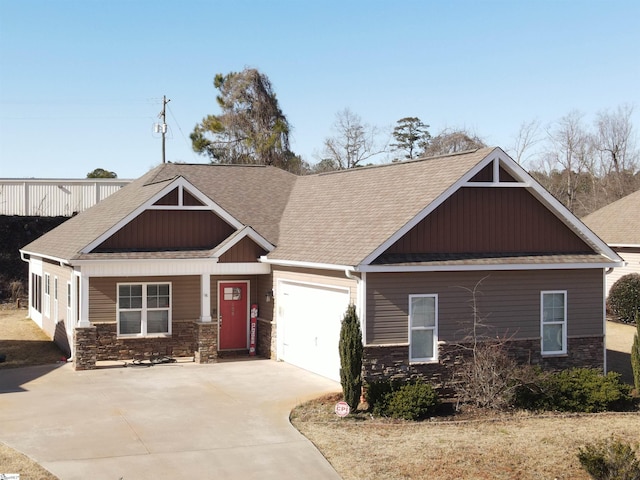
x: 309, y: 319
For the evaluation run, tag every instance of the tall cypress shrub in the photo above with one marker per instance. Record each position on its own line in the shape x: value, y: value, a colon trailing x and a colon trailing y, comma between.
x: 635, y: 355
x: 350, y: 347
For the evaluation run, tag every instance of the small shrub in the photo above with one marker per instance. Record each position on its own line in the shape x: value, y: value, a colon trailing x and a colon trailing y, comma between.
x: 624, y: 298
x: 610, y: 460
x: 576, y: 390
x: 411, y: 401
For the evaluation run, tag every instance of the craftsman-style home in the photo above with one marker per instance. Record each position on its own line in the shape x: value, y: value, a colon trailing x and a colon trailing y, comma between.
x: 173, y: 263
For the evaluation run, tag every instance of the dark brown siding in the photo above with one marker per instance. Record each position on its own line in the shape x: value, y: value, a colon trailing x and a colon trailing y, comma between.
x: 170, y: 198
x: 486, y: 175
x: 246, y: 250
x: 490, y: 220
x: 169, y: 229
x: 190, y: 200
x: 509, y: 302
x: 185, y: 296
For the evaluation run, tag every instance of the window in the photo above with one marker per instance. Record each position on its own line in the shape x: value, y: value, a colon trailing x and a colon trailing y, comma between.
x: 70, y: 321
x: 47, y: 294
x: 144, y: 309
x: 36, y: 292
x: 553, y: 322
x: 423, y: 328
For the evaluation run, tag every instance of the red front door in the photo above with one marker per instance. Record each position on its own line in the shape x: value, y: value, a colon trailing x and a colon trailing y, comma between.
x: 233, y: 319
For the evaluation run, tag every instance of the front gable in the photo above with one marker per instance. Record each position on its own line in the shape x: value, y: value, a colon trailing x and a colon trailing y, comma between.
x: 181, y: 218
x: 496, y: 209
x: 489, y: 220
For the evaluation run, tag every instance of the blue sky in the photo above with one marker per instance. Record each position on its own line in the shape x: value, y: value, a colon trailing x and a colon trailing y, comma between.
x: 81, y: 81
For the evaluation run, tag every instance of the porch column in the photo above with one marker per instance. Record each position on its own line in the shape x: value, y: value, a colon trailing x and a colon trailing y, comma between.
x: 84, y: 302
x: 205, y: 293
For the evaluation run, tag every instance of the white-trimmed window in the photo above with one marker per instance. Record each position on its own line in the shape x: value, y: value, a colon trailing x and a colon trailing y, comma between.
x: 70, y: 321
x: 553, y: 322
x: 47, y: 294
x: 144, y: 309
x: 423, y: 328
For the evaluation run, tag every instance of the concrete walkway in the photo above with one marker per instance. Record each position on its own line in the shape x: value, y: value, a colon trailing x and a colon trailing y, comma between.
x: 227, y: 421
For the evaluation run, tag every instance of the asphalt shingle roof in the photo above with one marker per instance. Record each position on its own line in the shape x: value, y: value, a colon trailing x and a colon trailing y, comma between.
x: 619, y: 222
x: 337, y: 218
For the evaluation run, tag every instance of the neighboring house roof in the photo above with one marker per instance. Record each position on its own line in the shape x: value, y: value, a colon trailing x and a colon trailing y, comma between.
x: 618, y: 223
x: 345, y: 218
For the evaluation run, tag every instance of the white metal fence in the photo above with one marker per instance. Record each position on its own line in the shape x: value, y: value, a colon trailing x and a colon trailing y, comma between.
x: 54, y: 197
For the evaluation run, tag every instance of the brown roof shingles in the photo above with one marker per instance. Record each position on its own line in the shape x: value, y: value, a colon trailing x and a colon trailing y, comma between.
x: 342, y: 217
x: 337, y: 218
x: 619, y: 222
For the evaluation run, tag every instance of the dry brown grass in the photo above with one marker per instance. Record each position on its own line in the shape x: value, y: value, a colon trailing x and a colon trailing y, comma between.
x: 15, y: 462
x: 508, y: 446
x: 22, y: 342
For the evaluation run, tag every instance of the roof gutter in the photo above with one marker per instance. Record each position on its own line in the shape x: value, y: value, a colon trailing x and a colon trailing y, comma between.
x: 301, y: 264
x: 61, y: 261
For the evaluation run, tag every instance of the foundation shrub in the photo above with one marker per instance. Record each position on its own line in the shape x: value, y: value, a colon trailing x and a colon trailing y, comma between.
x: 576, y: 390
x: 610, y: 459
x: 624, y: 298
x: 408, y: 401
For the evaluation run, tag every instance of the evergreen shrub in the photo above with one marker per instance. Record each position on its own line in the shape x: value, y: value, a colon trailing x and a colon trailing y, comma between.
x: 624, y: 298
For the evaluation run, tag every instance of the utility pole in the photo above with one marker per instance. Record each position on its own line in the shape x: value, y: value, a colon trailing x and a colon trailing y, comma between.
x: 164, y: 124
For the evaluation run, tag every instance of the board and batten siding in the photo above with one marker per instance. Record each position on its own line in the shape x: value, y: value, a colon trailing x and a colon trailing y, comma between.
x: 103, y: 296
x: 169, y: 229
x: 508, y: 302
x: 490, y: 220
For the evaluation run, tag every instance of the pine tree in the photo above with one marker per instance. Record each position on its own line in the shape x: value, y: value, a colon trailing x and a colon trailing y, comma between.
x: 350, y: 347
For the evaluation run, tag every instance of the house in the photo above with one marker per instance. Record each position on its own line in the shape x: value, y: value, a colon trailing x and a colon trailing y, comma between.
x: 618, y: 224
x: 173, y: 263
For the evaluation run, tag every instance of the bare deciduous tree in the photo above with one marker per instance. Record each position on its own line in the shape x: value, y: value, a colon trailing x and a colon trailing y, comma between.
x: 353, y: 142
x: 453, y: 141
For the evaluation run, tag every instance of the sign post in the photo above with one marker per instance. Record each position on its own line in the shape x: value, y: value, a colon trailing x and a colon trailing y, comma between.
x: 342, y: 409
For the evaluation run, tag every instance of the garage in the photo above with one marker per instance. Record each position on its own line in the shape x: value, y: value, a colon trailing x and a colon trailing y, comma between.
x: 309, y: 319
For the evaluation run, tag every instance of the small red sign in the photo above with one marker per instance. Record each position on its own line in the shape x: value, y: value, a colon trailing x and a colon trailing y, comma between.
x: 342, y: 409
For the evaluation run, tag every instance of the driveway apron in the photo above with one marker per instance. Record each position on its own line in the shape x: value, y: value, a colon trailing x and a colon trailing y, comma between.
x: 228, y: 420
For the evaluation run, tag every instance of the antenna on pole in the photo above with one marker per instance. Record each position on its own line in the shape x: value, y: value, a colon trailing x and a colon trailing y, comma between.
x: 162, y: 127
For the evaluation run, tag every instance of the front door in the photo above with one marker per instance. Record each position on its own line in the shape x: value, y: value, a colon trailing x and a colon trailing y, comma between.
x: 232, y: 317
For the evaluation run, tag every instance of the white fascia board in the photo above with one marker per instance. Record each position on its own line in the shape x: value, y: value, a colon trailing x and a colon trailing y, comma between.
x: 61, y: 261
x: 559, y: 209
x: 302, y: 264
x: 177, y: 182
x: 142, y: 268
x: 497, y: 267
x: 524, y: 180
x: 245, y: 232
x: 430, y: 208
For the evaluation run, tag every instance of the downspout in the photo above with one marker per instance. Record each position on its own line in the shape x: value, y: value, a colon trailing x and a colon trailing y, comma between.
x: 604, y: 321
x: 359, y: 298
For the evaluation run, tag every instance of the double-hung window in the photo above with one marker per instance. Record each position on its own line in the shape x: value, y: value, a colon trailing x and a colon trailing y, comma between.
x: 553, y: 322
x: 423, y: 328
x: 144, y: 309
x: 47, y: 294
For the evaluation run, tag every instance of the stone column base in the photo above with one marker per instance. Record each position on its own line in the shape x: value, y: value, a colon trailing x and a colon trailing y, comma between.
x: 206, y: 340
x: 85, y: 353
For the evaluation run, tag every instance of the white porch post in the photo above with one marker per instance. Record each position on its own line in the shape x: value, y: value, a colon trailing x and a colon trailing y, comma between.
x: 205, y: 293
x: 84, y: 301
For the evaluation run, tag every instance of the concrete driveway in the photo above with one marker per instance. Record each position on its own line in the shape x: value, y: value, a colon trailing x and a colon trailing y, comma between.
x: 225, y: 421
